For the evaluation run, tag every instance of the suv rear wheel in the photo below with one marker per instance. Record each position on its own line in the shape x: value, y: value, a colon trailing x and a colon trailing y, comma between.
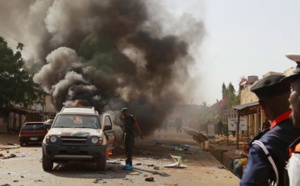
x: 21, y: 143
x: 47, y: 163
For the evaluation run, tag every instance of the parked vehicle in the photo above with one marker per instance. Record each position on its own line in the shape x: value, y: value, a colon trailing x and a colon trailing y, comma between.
x: 32, y: 132
x: 48, y: 123
x: 78, y: 134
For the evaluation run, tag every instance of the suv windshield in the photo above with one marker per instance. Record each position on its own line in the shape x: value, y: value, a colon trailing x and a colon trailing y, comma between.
x: 77, y: 121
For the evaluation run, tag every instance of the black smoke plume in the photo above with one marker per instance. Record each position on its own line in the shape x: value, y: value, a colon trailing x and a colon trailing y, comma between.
x: 109, y: 53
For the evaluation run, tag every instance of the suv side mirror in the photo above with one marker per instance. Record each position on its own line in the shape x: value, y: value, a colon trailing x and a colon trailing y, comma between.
x: 107, y: 127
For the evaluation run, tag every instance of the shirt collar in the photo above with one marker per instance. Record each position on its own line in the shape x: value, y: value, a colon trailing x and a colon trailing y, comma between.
x: 281, y: 118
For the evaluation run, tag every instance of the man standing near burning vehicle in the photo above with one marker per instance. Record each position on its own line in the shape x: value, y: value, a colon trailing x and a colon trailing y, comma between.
x: 293, y: 166
x: 268, y: 153
x: 129, y: 125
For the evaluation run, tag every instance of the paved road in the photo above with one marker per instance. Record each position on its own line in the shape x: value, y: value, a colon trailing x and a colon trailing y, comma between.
x: 202, y: 169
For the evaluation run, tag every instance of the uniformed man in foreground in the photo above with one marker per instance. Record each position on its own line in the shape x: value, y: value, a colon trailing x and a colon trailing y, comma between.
x: 267, y: 156
x: 293, y: 166
x: 129, y: 126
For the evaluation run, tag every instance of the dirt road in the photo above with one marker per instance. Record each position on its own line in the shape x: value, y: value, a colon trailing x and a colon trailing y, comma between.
x: 151, y: 155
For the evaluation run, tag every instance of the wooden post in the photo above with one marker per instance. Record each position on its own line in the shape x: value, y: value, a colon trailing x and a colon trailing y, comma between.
x: 257, y: 121
x: 238, y: 132
x: 248, y: 132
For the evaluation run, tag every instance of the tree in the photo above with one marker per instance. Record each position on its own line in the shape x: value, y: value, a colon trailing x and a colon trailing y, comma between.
x: 229, y: 95
x: 16, y: 85
x: 207, y: 114
x: 224, y: 91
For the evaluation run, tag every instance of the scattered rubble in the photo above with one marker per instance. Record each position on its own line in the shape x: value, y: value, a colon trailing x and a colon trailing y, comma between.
x: 149, y: 179
x: 9, y: 146
x: 144, y: 153
x: 159, y: 143
x: 177, y: 164
x: 156, y: 168
x: 2, y: 156
x: 98, y: 180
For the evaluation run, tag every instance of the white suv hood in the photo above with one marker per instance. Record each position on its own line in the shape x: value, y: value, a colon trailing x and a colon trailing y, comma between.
x: 82, y: 132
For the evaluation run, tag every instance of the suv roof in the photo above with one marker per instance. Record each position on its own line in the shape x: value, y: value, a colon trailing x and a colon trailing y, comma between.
x: 85, y: 110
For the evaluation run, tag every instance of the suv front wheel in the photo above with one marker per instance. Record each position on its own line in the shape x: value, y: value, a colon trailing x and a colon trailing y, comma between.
x: 101, y: 161
x: 47, y: 163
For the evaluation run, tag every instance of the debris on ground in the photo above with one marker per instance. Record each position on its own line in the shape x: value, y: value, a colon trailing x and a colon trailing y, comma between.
x: 113, y: 162
x: 97, y: 180
x: 12, y: 156
x: 9, y: 146
x: 177, y: 164
x: 144, y: 153
x: 149, y: 179
x: 199, y: 137
x: 2, y: 156
x: 158, y: 143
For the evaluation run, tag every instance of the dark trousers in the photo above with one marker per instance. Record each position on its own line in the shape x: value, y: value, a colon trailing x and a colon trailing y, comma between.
x: 129, y: 143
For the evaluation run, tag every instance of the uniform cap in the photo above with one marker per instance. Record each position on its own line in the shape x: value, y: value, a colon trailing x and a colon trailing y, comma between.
x: 125, y: 109
x: 296, y: 74
x: 270, y: 86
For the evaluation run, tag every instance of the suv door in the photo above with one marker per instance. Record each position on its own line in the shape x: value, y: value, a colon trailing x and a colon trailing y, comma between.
x: 108, y: 131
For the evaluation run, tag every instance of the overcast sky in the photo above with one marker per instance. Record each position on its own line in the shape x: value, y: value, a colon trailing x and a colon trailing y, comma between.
x: 243, y: 38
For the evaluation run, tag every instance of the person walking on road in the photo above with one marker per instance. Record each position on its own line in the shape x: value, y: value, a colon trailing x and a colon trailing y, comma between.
x: 129, y: 126
x: 178, y: 123
x: 220, y: 128
x: 267, y: 156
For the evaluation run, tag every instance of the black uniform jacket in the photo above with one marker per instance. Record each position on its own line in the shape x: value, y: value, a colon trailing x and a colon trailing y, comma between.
x: 277, y: 140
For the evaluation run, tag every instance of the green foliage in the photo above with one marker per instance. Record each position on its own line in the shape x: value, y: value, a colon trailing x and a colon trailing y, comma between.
x: 207, y: 114
x: 16, y: 85
x: 229, y: 94
x: 224, y: 91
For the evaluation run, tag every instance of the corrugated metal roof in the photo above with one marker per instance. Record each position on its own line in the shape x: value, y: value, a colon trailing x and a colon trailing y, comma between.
x: 243, y: 106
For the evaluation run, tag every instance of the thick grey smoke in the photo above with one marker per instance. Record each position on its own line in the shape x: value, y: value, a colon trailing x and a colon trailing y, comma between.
x: 110, y: 53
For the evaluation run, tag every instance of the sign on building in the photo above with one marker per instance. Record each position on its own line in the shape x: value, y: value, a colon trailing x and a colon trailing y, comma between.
x: 232, y: 123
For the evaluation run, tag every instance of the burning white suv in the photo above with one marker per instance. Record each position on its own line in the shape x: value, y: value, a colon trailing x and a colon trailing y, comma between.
x: 78, y: 134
